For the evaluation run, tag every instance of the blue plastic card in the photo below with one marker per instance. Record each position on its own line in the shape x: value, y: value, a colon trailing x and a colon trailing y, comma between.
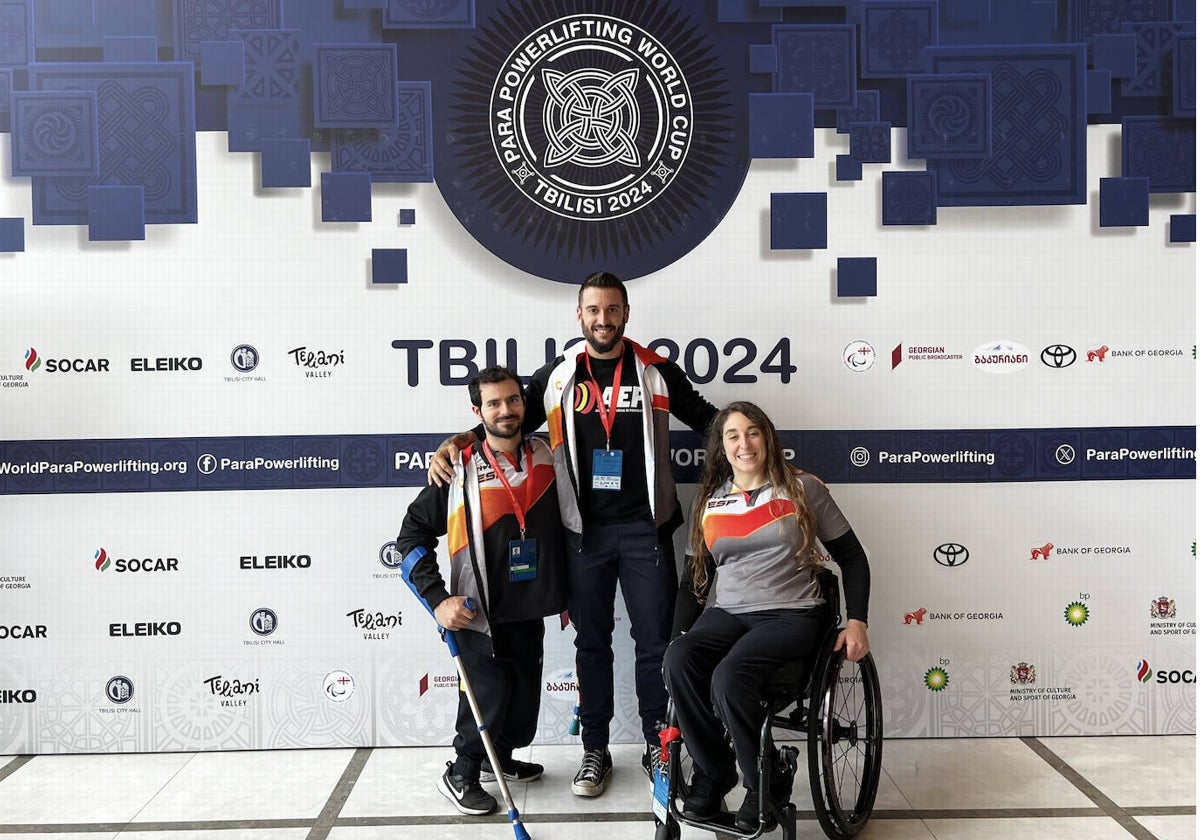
x: 606, y: 469
x: 522, y: 559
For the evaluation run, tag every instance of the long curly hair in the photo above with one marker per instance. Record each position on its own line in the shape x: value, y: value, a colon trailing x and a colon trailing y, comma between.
x: 780, y: 474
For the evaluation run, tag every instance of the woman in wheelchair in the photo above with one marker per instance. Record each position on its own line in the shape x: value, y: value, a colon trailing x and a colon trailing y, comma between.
x: 755, y: 529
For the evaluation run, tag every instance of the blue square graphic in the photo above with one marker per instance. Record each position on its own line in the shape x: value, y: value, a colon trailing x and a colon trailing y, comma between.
x: 1183, y: 227
x: 848, y: 169
x: 274, y: 68
x: 894, y: 36
x: 147, y: 130
x: 781, y: 125
x: 354, y: 86
x: 403, y: 154
x: 1124, y: 202
x: 950, y: 115
x: 856, y: 276
x: 345, y: 196
x: 1099, y: 92
x: 12, y: 234
x: 16, y: 33
x: 1039, y: 101
x: 1183, y: 81
x: 1155, y: 46
x: 285, y: 163
x: 222, y: 62
x: 909, y: 198
x: 5, y: 91
x: 871, y: 142
x: 55, y: 133
x: 204, y: 20
x: 447, y: 14
x: 865, y: 110
x: 116, y: 212
x: 799, y: 220
x: 1161, y: 149
x: 130, y: 48
x: 389, y: 265
x: 818, y: 59
x: 1087, y: 19
x: 1115, y: 53
x: 407, y: 216
x: 764, y: 58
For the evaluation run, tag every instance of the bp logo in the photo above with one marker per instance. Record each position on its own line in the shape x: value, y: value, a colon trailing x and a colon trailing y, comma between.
x: 580, y: 140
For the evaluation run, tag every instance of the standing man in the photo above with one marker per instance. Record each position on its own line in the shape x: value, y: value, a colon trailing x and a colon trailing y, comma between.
x: 505, y: 541
x: 608, y: 410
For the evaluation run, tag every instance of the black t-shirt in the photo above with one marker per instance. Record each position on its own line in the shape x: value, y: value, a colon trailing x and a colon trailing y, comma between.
x: 632, y: 501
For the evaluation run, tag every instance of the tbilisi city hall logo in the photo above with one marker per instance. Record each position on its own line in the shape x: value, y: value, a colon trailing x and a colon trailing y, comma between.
x: 589, y: 140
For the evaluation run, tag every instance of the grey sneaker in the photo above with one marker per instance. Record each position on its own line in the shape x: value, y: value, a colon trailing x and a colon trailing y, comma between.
x: 594, y: 772
x: 465, y: 794
x: 514, y: 771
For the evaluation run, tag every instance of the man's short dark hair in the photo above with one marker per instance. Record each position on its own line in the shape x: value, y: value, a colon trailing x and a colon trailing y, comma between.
x: 491, y: 376
x: 603, y: 280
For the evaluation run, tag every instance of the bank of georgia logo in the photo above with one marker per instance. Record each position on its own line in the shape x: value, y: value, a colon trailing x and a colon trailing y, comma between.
x: 584, y: 139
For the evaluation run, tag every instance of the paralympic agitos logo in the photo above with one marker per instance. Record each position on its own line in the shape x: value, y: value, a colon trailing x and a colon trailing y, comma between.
x: 578, y: 139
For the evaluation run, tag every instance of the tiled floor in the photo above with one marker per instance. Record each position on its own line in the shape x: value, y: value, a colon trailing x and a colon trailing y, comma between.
x: 1098, y: 788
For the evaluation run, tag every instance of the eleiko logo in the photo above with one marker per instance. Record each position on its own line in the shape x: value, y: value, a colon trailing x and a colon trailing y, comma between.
x: 951, y: 554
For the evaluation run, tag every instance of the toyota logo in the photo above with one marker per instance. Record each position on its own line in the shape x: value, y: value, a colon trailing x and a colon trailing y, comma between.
x: 951, y: 554
x: 1058, y: 356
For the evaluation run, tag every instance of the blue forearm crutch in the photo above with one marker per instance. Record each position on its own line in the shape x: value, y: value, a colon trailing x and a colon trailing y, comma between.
x: 406, y: 566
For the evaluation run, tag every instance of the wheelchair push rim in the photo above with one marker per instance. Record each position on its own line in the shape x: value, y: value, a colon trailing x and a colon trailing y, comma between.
x: 845, y: 744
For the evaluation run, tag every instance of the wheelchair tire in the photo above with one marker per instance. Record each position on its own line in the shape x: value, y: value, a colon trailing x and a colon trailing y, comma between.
x: 845, y: 743
x: 669, y: 830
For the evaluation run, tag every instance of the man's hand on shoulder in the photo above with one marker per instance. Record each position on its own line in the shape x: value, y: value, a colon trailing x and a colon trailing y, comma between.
x: 441, y: 468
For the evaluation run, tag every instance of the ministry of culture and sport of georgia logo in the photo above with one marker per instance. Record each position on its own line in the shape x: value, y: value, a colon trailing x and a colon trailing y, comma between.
x: 1162, y: 607
x: 936, y: 679
x: 580, y: 140
x: 1022, y: 674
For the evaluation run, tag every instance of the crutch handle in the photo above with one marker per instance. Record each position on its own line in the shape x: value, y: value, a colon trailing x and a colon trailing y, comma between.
x: 406, y: 566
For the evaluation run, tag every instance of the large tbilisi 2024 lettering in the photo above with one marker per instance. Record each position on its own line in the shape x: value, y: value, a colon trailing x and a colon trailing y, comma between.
x: 736, y: 361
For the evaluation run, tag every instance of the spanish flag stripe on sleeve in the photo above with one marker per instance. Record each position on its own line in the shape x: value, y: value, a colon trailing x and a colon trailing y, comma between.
x: 554, y: 425
x: 456, y: 531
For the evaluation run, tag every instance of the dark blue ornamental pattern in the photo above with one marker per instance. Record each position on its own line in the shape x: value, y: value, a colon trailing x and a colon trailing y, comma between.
x: 994, y: 97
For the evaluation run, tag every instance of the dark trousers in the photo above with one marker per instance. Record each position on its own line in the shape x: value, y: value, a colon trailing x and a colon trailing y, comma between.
x: 716, y: 673
x: 628, y: 552
x: 506, y: 676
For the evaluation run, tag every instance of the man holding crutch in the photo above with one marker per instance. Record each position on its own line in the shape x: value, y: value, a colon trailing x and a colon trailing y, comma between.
x: 505, y: 542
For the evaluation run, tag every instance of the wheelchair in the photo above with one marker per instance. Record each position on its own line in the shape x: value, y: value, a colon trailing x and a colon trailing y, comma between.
x: 836, y: 704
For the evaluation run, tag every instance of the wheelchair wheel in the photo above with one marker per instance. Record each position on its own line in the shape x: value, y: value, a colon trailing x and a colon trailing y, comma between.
x: 668, y: 830
x: 845, y: 743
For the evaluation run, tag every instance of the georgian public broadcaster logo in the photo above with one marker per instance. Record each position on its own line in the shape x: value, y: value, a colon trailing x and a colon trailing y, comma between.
x: 951, y: 554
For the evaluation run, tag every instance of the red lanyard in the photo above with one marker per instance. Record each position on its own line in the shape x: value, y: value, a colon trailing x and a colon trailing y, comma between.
x: 609, y: 416
x: 517, y: 509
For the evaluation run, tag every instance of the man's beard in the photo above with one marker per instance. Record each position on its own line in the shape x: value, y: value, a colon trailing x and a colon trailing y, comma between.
x: 497, y: 431
x: 608, y: 347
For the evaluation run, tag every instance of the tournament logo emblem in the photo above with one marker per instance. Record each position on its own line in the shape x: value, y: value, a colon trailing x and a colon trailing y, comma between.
x: 578, y: 139
x: 338, y: 686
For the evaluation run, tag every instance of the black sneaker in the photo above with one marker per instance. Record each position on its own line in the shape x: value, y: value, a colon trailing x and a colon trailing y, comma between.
x: 514, y: 771
x: 706, y: 796
x: 746, y: 818
x: 465, y: 794
x: 594, y: 772
x: 651, y: 761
